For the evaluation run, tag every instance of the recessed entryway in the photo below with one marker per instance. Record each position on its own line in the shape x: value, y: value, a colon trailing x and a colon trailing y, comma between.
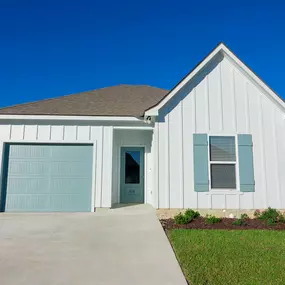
x: 47, y: 178
x: 132, y: 175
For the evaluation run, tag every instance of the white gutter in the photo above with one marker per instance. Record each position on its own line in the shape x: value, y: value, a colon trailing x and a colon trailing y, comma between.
x: 70, y: 118
x: 142, y: 128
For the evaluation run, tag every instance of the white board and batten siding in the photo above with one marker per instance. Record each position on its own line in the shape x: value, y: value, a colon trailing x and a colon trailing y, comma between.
x: 100, y: 136
x: 225, y: 102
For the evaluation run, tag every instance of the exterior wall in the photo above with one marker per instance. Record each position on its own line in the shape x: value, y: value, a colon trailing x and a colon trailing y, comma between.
x: 66, y: 132
x: 134, y: 138
x: 224, y: 101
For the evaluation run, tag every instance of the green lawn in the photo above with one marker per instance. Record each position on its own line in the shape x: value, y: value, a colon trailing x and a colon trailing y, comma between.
x: 230, y: 257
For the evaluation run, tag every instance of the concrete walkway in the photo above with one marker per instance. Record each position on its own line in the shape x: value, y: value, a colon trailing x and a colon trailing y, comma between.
x: 121, y: 246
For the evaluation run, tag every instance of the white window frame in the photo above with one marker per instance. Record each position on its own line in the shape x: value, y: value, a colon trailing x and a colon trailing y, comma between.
x: 236, y: 163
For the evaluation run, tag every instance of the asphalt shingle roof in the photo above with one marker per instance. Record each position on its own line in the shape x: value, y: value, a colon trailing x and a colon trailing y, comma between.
x: 121, y: 100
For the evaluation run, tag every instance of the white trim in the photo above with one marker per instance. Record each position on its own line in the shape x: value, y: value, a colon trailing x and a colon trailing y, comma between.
x: 70, y: 118
x: 2, y: 152
x: 145, y: 171
x: 93, y: 143
x: 154, y: 111
x: 46, y: 141
x: 226, y: 52
x: 155, y: 177
x: 93, y: 188
x: 142, y: 128
x: 236, y: 163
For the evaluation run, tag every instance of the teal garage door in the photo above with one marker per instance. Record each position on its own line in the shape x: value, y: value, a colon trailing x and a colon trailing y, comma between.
x: 47, y: 178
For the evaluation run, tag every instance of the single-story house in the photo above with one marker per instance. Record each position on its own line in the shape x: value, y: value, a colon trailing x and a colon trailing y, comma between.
x: 215, y: 141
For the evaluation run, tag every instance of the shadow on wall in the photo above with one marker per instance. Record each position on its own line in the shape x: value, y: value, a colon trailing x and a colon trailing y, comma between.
x: 171, y: 104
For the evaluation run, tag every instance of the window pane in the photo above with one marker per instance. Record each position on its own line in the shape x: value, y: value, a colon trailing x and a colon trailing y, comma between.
x: 222, y: 149
x: 132, y: 167
x: 223, y: 176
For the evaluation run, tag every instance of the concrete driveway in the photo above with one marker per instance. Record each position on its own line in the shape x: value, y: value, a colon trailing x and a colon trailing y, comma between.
x: 121, y: 246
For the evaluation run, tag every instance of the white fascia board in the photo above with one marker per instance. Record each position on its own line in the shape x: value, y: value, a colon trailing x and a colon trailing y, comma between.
x: 253, y: 77
x: 221, y: 47
x: 142, y: 128
x: 154, y: 111
x: 69, y: 118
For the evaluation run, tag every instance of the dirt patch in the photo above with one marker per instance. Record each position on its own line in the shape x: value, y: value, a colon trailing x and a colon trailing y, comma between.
x: 225, y: 224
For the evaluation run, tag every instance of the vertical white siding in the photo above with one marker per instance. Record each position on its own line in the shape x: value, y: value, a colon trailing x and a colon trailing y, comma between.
x: 163, y: 165
x: 215, y: 100
x: 17, y: 132
x: 30, y: 132
x: 44, y: 132
x: 56, y: 133
x: 189, y: 127
x: 175, y: 158
x: 70, y: 133
x: 224, y: 102
x: 102, y: 136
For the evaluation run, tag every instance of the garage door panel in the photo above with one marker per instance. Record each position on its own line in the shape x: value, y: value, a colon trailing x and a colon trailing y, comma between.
x: 49, y: 178
x: 27, y: 167
x: 24, y: 151
x: 71, y: 168
x: 62, y: 152
x: 22, y: 185
x: 44, y: 203
x: 68, y: 186
x: 70, y: 203
x: 24, y: 203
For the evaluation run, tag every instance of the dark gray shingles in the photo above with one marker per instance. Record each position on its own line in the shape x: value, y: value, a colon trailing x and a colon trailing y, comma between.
x: 121, y: 100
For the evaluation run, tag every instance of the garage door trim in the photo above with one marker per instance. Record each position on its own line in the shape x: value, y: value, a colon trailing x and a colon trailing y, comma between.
x: 4, y: 163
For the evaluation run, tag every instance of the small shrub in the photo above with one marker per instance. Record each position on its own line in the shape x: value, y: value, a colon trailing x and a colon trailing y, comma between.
x: 180, y: 219
x: 281, y: 219
x: 271, y: 222
x: 244, y: 216
x: 256, y: 213
x: 187, y: 217
x: 238, y: 222
x: 209, y: 219
x: 270, y: 214
x: 191, y: 214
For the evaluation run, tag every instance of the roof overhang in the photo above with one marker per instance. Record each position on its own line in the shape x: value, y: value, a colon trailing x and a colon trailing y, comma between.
x: 221, y: 48
x: 70, y: 118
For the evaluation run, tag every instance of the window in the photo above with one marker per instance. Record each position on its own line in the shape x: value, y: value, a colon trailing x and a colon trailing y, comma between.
x: 223, y: 162
x: 132, y: 167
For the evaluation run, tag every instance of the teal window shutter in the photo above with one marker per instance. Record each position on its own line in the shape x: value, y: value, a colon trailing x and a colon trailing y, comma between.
x: 246, y: 173
x: 201, y: 163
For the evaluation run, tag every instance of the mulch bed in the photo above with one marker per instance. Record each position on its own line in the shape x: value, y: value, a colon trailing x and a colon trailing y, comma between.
x: 225, y: 224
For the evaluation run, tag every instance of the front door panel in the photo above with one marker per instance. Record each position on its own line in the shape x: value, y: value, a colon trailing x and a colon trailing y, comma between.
x: 132, y: 175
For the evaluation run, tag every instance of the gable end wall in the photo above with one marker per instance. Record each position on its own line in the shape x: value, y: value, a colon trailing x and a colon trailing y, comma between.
x: 224, y: 102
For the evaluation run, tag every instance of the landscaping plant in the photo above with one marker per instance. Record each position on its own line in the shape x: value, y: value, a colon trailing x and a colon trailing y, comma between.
x: 242, y: 220
x: 256, y: 213
x: 244, y: 216
x: 192, y: 214
x: 238, y: 222
x: 270, y: 214
x: 210, y: 219
x: 187, y: 217
x: 181, y: 219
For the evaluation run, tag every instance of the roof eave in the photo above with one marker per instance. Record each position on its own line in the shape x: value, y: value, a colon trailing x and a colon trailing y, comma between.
x: 221, y: 48
x: 70, y: 118
x: 153, y: 111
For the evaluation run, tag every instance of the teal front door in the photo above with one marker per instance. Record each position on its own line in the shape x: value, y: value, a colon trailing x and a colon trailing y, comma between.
x: 132, y: 175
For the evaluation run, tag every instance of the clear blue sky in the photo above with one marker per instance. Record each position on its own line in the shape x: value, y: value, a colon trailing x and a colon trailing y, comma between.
x: 51, y: 48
